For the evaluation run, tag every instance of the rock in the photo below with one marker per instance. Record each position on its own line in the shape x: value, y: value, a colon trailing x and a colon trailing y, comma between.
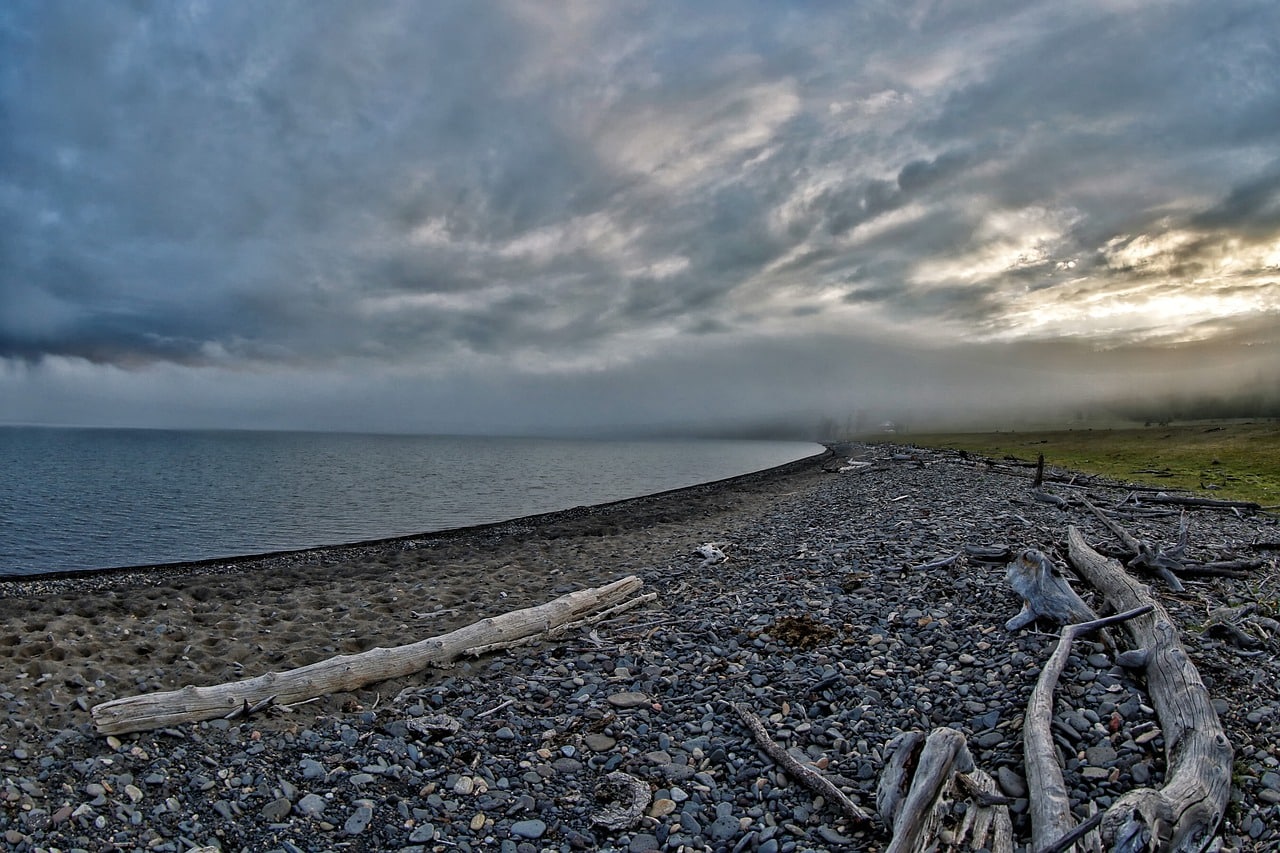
x: 629, y: 699
x: 1011, y: 782
x: 643, y: 842
x: 661, y: 808
x: 312, y: 805
x: 276, y: 810
x: 359, y: 820
x: 531, y: 829
x: 598, y: 742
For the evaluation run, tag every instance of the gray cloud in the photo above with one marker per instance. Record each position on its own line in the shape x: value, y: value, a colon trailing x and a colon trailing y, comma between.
x: 557, y: 195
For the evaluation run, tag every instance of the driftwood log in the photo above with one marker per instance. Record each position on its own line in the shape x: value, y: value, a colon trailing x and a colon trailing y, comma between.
x: 351, y: 672
x: 921, y: 778
x: 1049, y: 802
x: 1044, y: 591
x: 1185, y: 813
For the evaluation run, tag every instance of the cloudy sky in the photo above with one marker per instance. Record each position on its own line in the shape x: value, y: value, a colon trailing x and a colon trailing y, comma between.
x: 522, y: 215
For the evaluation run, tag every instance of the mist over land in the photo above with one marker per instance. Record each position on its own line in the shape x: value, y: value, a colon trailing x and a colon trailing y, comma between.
x: 550, y: 218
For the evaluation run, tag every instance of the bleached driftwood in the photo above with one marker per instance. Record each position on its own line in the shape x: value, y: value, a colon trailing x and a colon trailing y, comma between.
x: 1185, y: 813
x: 919, y: 782
x: 1045, y: 592
x: 351, y: 672
x: 1049, y: 802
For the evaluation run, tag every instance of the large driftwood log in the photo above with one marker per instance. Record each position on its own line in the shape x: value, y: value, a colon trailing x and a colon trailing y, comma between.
x: 1049, y: 802
x: 1045, y: 592
x: 351, y: 672
x: 1185, y: 813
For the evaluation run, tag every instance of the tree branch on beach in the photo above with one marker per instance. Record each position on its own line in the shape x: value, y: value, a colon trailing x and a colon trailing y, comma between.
x: 1049, y: 802
x: 351, y: 672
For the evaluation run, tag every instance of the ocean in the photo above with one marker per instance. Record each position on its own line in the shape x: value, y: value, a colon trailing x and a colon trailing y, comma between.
x: 75, y: 499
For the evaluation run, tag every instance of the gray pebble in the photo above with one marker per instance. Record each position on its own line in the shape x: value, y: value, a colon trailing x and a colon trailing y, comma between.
x: 359, y: 820
x: 532, y: 828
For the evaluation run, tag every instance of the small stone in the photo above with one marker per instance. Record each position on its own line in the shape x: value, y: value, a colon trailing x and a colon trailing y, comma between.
x: 1095, y: 773
x: 311, y: 769
x: 1132, y: 658
x: 1271, y: 780
x: 13, y: 837
x: 532, y: 828
x: 312, y: 805
x: 724, y: 827
x: 422, y: 833
x: 1141, y: 773
x: 643, y: 842
x: 833, y: 838
x: 598, y: 742
x: 359, y: 821
x: 134, y: 793
x: 477, y: 822
x: 276, y: 810
x: 629, y: 699
x: 661, y: 808
x: 1269, y: 796
x: 989, y: 740
x: 1102, y: 755
x: 1010, y: 782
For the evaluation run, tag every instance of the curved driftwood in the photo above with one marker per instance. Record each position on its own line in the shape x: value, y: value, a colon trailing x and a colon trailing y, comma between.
x: 351, y: 672
x: 1044, y: 591
x: 1049, y: 803
x: 1185, y: 813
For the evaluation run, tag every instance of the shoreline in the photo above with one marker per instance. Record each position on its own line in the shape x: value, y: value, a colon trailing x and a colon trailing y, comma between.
x: 833, y: 619
x: 10, y: 583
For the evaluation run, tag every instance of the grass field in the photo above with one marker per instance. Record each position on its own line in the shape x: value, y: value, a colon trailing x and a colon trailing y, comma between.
x: 1229, y: 459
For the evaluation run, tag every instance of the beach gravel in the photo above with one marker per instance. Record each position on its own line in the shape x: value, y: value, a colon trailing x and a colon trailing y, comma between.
x: 837, y: 617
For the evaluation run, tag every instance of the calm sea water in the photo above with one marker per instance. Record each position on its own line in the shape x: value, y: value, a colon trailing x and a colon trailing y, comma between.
x: 99, y: 498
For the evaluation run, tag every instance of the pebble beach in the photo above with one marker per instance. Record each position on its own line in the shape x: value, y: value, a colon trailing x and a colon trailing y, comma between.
x: 862, y: 595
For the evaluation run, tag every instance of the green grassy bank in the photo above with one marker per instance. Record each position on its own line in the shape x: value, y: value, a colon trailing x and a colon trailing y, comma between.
x: 1230, y: 460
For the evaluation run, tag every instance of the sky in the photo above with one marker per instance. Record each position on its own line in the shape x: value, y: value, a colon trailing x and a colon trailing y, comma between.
x: 552, y: 217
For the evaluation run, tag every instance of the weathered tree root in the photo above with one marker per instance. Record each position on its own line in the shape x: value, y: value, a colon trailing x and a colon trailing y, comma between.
x: 1044, y: 591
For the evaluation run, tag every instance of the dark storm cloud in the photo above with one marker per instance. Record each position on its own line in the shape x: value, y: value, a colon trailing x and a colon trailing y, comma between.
x: 560, y: 190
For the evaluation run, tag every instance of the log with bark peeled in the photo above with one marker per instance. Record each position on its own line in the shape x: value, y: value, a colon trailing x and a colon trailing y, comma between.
x: 351, y: 672
x: 1045, y: 592
x: 1185, y: 813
